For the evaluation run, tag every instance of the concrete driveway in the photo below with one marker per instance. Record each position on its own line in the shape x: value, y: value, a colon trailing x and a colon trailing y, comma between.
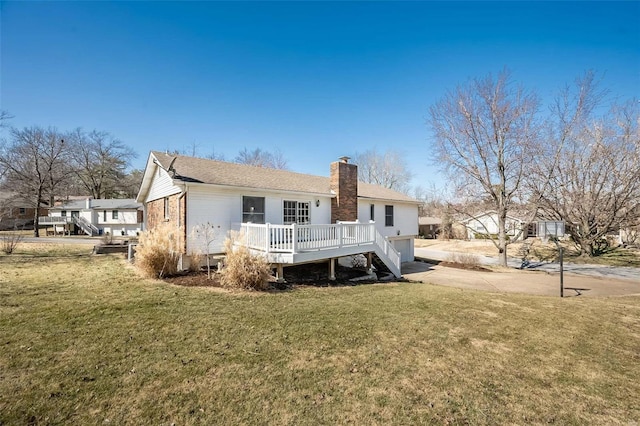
x: 520, y: 281
x: 602, y: 271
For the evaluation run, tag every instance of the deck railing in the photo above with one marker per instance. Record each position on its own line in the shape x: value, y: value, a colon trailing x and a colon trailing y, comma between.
x: 302, y: 238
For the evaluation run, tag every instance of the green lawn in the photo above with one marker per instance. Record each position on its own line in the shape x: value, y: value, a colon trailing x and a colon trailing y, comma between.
x: 83, y: 340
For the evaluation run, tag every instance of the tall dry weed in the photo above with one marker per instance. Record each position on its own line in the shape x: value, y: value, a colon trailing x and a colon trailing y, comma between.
x: 464, y: 259
x: 158, y: 251
x: 242, y: 269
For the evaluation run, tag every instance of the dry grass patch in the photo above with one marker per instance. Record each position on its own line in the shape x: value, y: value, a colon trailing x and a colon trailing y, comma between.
x: 85, y: 341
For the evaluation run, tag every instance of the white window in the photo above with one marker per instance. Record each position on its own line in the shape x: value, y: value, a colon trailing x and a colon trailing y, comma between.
x: 295, y: 212
x: 114, y: 214
x: 372, y: 212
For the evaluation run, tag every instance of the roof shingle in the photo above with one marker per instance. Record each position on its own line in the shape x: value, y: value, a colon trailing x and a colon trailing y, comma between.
x: 200, y: 170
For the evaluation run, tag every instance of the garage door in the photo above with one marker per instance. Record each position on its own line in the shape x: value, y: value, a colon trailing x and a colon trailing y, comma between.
x: 404, y: 247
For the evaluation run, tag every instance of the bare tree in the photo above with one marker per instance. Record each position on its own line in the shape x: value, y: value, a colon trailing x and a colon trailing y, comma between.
x: 432, y: 200
x: 595, y: 187
x: 388, y: 169
x: 260, y: 158
x: 207, y: 233
x: 4, y: 117
x: 130, y: 184
x: 484, y: 134
x: 100, y: 162
x: 34, y: 163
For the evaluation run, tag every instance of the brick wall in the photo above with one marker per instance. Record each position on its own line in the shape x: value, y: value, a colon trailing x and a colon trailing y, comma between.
x: 344, y: 182
x: 155, y: 215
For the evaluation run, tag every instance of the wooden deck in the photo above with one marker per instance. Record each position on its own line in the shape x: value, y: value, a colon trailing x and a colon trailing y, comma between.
x: 293, y: 244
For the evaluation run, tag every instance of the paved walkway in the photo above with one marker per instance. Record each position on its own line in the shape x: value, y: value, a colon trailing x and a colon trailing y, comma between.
x: 520, y: 281
x: 602, y: 271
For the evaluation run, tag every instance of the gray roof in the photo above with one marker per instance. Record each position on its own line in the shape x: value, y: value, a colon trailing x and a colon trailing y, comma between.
x: 200, y: 170
x: 101, y: 204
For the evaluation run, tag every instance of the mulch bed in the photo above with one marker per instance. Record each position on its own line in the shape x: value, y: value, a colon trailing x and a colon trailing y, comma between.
x: 315, y: 274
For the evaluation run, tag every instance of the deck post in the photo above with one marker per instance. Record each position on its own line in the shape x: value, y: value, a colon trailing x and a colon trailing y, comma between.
x: 279, y: 273
x: 332, y: 269
x: 369, y: 262
x: 294, y: 242
x: 339, y: 234
x: 267, y: 239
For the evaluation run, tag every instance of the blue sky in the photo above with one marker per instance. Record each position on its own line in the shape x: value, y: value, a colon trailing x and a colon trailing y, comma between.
x: 316, y: 80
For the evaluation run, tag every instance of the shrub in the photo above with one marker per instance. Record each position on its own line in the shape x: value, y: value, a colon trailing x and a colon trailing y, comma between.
x: 107, y: 238
x: 464, y: 259
x: 242, y: 269
x: 196, y: 259
x: 9, y: 242
x: 158, y: 251
x: 358, y: 261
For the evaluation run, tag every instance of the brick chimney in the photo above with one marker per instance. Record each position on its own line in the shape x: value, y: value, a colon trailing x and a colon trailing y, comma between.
x: 344, y: 182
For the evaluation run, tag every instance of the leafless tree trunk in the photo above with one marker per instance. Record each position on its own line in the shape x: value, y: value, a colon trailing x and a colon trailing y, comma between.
x: 484, y: 133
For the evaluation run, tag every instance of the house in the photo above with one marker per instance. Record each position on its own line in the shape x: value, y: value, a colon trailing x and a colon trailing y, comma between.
x: 428, y: 226
x: 15, y: 211
x: 485, y: 224
x: 117, y: 217
x: 288, y: 217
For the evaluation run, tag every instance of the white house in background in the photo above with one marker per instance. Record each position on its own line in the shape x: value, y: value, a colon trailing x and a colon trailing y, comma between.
x: 117, y: 217
x: 486, y: 224
x: 289, y: 217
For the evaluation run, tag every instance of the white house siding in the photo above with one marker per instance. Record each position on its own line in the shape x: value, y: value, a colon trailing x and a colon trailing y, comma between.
x: 126, y: 223
x: 488, y: 224
x: 405, y: 223
x: 404, y: 217
x: 161, y: 186
x: 223, y: 209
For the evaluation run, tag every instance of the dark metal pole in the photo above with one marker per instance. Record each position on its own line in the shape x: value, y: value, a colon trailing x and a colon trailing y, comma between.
x: 561, y: 273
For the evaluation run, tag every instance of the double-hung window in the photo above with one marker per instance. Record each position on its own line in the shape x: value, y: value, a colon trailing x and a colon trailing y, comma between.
x: 388, y: 215
x: 295, y: 212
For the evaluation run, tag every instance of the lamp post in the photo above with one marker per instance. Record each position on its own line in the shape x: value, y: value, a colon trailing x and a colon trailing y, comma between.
x: 560, y: 257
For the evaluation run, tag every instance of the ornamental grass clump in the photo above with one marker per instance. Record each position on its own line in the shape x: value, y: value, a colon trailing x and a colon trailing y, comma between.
x: 242, y: 269
x: 158, y: 251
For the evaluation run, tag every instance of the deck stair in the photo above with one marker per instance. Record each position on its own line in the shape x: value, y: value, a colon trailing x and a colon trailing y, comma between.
x: 86, y: 227
x: 379, y: 264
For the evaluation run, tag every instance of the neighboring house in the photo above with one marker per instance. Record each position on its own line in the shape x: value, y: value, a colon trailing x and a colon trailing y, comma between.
x: 289, y: 217
x: 15, y: 211
x: 118, y: 217
x: 485, y: 224
x: 429, y: 227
